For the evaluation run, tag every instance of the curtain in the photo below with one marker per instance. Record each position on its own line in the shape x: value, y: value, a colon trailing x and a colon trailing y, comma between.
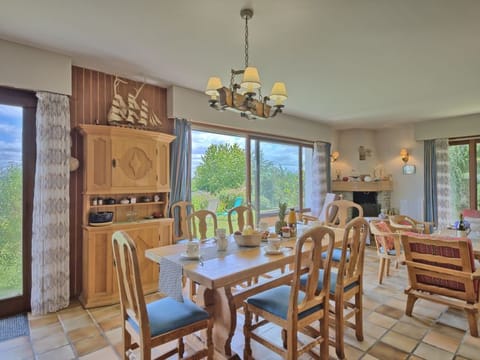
x: 430, y: 185
x: 50, y: 232
x: 180, y: 163
x: 320, y: 175
x: 443, y: 183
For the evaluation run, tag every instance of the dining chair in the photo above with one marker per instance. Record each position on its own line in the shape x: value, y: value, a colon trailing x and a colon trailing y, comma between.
x: 407, y: 223
x: 291, y: 309
x: 343, y: 210
x: 346, y: 284
x: 329, y: 197
x: 179, y: 212
x: 388, y: 244
x: 198, y: 224
x: 161, y: 321
x: 442, y: 270
x: 244, y: 216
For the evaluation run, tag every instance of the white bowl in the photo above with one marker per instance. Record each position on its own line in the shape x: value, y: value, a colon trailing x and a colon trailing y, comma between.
x: 248, y: 240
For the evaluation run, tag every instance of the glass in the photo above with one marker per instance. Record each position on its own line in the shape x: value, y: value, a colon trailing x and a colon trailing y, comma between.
x: 11, y: 194
x: 458, y: 156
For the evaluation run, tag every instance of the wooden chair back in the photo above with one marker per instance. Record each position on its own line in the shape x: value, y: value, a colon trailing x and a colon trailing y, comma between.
x: 350, y: 270
x: 343, y: 212
x: 407, y: 223
x: 198, y: 224
x: 179, y: 212
x: 132, y: 301
x: 245, y: 216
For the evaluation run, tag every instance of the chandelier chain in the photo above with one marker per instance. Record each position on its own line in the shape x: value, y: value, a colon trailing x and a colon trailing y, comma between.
x: 246, y: 42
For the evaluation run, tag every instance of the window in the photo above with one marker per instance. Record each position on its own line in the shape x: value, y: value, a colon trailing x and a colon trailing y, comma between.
x: 277, y: 171
x: 464, y: 160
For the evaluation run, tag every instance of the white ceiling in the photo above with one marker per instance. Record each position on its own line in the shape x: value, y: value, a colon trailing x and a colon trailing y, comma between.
x: 349, y: 63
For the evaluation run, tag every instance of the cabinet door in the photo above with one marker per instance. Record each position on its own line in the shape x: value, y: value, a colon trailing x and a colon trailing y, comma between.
x: 99, y: 278
x: 98, y: 167
x: 166, y: 233
x: 146, y: 237
x: 163, y: 150
x: 134, y: 164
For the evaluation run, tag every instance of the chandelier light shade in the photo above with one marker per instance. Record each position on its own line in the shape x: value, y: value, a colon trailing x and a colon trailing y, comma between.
x: 246, y: 97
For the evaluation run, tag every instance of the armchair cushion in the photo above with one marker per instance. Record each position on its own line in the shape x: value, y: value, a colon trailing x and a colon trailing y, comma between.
x: 168, y: 314
x: 276, y: 301
x: 389, y: 240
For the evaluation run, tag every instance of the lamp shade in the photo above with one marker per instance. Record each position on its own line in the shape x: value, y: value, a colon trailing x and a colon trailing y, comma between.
x: 214, y: 83
x: 251, y: 79
x: 279, y: 93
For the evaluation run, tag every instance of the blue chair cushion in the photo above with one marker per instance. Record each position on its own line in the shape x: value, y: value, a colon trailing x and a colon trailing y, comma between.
x: 276, y: 301
x: 389, y: 252
x: 333, y: 281
x: 168, y: 314
x: 336, y: 255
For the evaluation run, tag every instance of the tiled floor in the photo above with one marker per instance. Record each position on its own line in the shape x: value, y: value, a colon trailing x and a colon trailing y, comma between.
x: 434, y: 332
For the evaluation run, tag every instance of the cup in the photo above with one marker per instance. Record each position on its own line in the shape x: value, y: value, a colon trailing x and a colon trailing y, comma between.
x: 273, y: 244
x: 133, y: 200
x: 193, y: 249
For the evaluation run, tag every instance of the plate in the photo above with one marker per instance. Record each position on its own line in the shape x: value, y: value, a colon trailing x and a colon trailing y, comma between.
x: 101, y: 224
x: 273, y: 252
x: 184, y: 256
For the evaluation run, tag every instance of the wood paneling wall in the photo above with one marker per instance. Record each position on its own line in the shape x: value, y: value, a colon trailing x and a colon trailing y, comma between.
x: 92, y: 93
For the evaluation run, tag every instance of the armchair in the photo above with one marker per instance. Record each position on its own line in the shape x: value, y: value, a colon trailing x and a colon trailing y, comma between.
x: 407, y: 223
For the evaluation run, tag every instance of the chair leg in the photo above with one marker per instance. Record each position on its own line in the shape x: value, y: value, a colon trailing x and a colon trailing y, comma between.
x: 359, y: 316
x: 387, y: 264
x: 339, y: 327
x: 381, y: 269
x: 247, y: 351
x: 181, y: 348
x: 472, y: 317
x: 210, y: 348
x: 284, y: 338
x: 324, y: 332
x: 292, y: 345
x: 127, y: 343
x: 411, y: 299
x: 193, y: 290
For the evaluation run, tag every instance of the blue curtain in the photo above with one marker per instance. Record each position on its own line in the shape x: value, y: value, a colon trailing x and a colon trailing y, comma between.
x: 328, y: 149
x: 180, y: 162
x: 430, y: 187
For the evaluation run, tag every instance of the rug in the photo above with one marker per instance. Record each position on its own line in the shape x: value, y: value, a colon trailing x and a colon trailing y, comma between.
x: 14, y: 326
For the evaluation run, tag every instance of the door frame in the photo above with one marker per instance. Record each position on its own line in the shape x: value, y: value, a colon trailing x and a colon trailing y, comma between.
x: 28, y: 101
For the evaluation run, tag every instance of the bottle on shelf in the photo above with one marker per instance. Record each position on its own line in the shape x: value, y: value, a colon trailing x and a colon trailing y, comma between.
x: 292, y: 222
x: 461, y: 224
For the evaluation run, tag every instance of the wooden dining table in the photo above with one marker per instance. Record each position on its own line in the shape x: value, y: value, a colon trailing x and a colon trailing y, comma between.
x: 454, y: 233
x: 218, y: 277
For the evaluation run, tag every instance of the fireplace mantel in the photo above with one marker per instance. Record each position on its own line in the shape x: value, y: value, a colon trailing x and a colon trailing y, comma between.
x: 384, y: 185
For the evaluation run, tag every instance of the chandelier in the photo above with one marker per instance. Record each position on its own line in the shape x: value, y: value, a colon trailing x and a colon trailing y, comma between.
x: 246, y: 97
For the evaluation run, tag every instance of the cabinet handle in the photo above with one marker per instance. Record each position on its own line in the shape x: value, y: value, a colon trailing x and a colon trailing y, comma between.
x: 114, y: 163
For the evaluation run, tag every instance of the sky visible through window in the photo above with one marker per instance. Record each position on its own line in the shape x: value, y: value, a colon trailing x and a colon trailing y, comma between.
x: 10, y: 135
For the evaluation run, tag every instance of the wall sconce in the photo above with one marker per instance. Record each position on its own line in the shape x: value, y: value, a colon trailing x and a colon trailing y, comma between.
x: 334, y: 156
x: 404, y: 154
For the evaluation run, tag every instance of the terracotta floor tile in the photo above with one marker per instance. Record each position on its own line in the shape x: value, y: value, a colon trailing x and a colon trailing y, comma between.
x: 41, y: 332
x: 399, y: 341
x: 114, y: 335
x: 469, y: 351
x: 443, y: 341
x: 384, y: 351
x: 71, y: 312
x: 414, y: 331
x: 83, y: 332
x: 373, y: 330
x: 42, y: 320
x: 19, y: 353
x: 15, y: 342
x: 102, y: 354
x: 77, y: 322
x: 89, y: 345
x: 427, y: 351
x: 111, y: 323
x: 49, y: 343
x: 389, y: 311
x: 64, y: 353
x: 381, y: 320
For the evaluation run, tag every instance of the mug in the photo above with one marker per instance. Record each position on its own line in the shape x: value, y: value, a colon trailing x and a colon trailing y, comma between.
x: 274, y: 244
x: 222, y: 241
x: 193, y: 249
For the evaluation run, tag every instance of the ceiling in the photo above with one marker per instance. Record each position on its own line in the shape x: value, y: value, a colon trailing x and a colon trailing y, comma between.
x: 348, y: 63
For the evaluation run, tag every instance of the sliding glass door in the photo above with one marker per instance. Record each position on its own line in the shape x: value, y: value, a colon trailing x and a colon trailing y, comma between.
x: 17, y: 128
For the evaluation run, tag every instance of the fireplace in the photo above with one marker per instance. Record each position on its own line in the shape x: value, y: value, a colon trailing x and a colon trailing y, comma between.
x: 368, y: 202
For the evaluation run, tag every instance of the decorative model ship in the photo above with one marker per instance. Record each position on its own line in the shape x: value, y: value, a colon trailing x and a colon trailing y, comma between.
x: 130, y: 113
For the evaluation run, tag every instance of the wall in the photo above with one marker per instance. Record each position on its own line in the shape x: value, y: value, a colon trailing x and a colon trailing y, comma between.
x: 29, y: 68
x: 193, y: 105
x: 92, y: 94
x: 468, y: 125
x: 407, y: 195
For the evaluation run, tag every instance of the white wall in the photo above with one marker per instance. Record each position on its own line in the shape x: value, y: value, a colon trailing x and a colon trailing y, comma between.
x: 29, y: 68
x: 467, y: 125
x: 193, y: 105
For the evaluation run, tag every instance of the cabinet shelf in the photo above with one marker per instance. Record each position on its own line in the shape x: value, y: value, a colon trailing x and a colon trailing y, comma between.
x: 124, y: 224
x: 125, y: 205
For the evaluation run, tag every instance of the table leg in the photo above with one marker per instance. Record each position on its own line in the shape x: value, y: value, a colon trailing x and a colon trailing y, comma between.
x: 220, y: 304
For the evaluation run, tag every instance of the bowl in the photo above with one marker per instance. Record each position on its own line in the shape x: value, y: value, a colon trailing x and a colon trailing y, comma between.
x: 248, y: 240
x: 100, y: 217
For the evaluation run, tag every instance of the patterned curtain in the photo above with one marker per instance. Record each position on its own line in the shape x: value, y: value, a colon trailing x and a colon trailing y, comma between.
x: 50, y: 232
x: 320, y: 175
x: 180, y: 163
x: 443, y: 183
x: 430, y: 186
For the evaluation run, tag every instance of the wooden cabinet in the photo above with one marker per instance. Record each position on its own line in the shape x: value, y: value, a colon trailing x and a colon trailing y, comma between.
x: 120, y: 164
